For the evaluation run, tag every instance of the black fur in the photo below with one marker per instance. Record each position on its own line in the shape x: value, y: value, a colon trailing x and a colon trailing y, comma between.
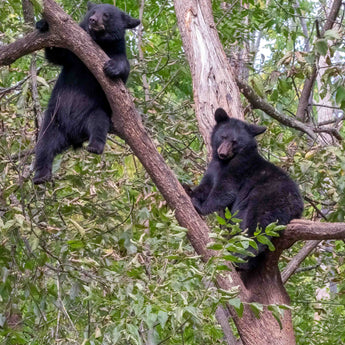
x: 240, y: 179
x: 78, y: 109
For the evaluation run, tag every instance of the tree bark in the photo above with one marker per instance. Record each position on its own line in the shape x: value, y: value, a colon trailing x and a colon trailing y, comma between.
x: 262, y: 286
x: 213, y: 79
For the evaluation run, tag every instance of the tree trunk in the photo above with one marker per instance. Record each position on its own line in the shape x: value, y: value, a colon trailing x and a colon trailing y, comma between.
x: 213, y: 87
x: 213, y: 79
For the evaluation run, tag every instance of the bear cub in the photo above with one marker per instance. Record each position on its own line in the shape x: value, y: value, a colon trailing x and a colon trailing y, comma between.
x: 240, y: 179
x: 78, y: 109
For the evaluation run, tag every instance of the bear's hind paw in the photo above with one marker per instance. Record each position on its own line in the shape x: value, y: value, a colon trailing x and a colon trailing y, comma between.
x: 97, y: 149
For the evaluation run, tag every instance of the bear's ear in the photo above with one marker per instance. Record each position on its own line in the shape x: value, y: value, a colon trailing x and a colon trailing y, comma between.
x: 256, y: 130
x: 220, y: 115
x: 90, y: 5
x: 130, y: 22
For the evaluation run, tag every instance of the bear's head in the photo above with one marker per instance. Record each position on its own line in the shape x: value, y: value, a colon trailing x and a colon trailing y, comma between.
x: 231, y: 137
x: 105, y: 22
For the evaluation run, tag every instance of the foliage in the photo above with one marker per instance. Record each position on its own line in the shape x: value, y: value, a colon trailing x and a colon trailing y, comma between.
x: 96, y: 257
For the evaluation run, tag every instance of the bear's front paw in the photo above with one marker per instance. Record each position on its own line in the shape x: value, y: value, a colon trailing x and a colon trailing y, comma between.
x: 42, y: 25
x: 197, y: 205
x: 187, y: 189
x: 112, y: 69
x: 42, y: 176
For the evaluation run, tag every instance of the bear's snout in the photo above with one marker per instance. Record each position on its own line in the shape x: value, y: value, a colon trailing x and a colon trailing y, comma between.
x: 95, y: 24
x: 225, y: 150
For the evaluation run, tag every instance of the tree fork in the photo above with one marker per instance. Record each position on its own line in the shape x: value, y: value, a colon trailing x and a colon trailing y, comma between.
x: 213, y: 78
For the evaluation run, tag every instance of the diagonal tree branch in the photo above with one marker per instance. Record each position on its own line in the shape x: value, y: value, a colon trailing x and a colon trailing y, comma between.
x: 258, y: 103
x: 303, y: 104
x: 292, y: 266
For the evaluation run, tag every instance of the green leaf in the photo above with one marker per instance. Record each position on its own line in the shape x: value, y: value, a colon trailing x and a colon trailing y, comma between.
x: 257, y: 308
x: 227, y: 214
x: 277, y: 312
x: 162, y: 318
x: 273, y: 229
x: 233, y: 258
x: 237, y: 304
x: 81, y: 230
x: 340, y: 94
x: 321, y: 46
x: 221, y: 220
x: 332, y: 35
x: 265, y: 240
x: 75, y: 244
x: 223, y: 268
x: 215, y: 246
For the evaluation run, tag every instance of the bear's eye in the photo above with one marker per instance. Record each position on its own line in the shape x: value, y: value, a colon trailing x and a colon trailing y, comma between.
x: 224, y: 137
x: 105, y: 15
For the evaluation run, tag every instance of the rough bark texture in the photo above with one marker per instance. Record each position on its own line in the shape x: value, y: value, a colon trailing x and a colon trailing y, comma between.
x: 262, y: 286
x: 301, y: 229
x: 213, y: 79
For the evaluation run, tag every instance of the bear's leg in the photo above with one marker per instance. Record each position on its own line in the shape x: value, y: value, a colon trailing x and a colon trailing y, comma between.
x: 98, y: 125
x: 250, y: 218
x: 50, y: 143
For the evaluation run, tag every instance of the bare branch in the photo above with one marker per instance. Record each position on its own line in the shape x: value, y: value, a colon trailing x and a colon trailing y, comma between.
x: 332, y: 16
x: 336, y: 121
x: 300, y: 229
x: 146, y: 85
x: 293, y: 265
x: 258, y: 103
x: 296, y: 5
x: 4, y: 91
x: 31, y: 42
x: 222, y: 316
x: 303, y: 104
x: 332, y: 131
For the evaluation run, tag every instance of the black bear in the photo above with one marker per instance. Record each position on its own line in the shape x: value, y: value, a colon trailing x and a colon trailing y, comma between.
x: 78, y: 109
x: 240, y: 179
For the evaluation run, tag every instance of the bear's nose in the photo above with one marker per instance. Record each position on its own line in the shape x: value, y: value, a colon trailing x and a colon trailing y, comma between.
x: 92, y: 20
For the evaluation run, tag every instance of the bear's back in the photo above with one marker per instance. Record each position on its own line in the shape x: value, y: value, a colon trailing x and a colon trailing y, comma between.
x: 268, y: 195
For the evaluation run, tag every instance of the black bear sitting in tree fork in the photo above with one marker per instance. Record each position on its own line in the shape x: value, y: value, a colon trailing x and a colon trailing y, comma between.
x: 78, y: 109
x: 240, y: 179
